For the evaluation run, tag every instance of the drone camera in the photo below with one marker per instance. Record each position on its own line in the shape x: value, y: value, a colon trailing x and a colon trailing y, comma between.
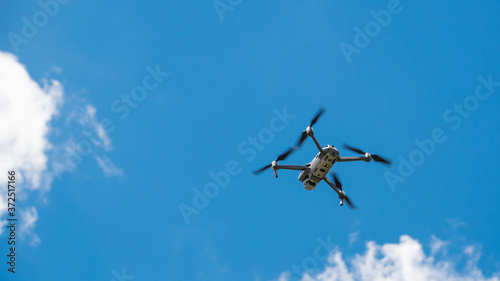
x: 309, y: 185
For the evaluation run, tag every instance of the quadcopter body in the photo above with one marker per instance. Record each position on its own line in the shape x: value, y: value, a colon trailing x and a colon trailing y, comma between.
x: 319, y: 167
x: 317, y: 170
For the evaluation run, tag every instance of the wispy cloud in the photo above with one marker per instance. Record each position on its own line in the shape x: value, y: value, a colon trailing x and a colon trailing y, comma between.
x: 455, y: 223
x: 29, y: 217
x: 438, y: 245
x: 87, y: 119
x: 108, y: 167
x: 405, y: 260
x: 353, y: 237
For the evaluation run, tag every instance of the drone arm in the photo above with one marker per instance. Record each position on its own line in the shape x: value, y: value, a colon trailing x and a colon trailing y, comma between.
x: 290, y: 167
x: 330, y: 183
x: 340, y: 193
x: 366, y: 158
x: 317, y: 144
x: 276, y: 167
x: 311, y: 134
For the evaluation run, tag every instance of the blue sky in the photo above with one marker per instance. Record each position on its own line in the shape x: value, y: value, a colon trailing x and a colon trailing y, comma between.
x: 229, y: 71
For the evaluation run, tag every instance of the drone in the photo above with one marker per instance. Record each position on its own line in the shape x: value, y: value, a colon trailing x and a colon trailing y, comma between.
x: 317, y: 170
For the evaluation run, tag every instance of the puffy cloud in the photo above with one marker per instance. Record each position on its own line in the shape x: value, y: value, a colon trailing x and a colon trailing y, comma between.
x: 403, y: 261
x: 27, y: 119
x: 26, y: 109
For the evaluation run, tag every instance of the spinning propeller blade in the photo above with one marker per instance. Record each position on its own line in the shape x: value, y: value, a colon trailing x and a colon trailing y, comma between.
x: 375, y: 157
x: 321, y: 110
x: 337, y: 182
x: 380, y: 159
x: 353, y: 149
x: 282, y: 157
x: 349, y: 202
x: 262, y: 169
x: 303, y: 137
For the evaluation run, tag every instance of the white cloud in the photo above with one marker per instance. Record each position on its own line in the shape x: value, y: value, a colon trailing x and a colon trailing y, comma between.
x: 25, y: 112
x: 27, y: 119
x: 403, y: 261
x: 26, y: 108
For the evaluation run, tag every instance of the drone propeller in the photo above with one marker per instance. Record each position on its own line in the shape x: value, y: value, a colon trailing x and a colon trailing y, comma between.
x: 282, y: 157
x: 337, y: 182
x: 375, y: 157
x: 262, y: 169
x: 342, y: 195
x: 321, y: 110
x: 349, y: 202
x: 303, y: 137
